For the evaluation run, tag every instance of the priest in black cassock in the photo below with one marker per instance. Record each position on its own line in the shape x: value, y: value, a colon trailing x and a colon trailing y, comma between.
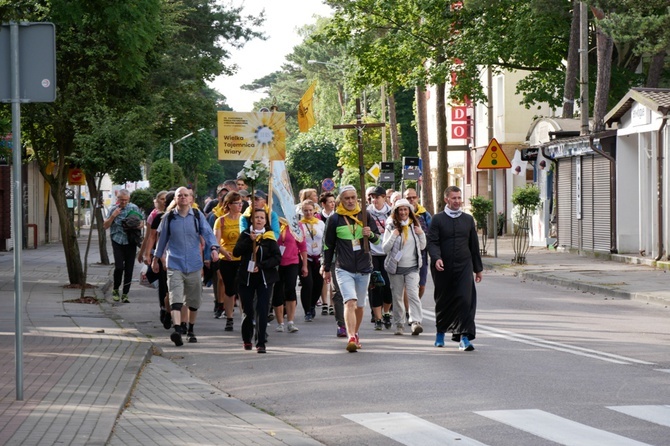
x: 455, y: 267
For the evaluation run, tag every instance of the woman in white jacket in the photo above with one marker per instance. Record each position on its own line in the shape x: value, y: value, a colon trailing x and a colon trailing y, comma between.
x: 403, y: 241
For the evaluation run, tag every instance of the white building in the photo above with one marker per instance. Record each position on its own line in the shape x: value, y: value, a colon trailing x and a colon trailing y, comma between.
x: 642, y: 170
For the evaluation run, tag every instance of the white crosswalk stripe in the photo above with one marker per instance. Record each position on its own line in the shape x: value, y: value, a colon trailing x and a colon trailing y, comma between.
x: 654, y: 414
x: 557, y: 429
x: 411, y: 430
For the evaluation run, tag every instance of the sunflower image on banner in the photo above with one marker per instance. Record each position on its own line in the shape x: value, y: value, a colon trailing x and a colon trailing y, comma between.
x: 251, y: 136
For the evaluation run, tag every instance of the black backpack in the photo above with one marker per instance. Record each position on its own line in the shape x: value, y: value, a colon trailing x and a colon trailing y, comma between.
x: 171, y: 216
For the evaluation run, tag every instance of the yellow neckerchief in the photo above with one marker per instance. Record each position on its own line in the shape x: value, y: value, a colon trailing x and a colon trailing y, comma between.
x: 405, y: 229
x: 341, y: 210
x: 283, y: 227
x: 218, y: 210
x: 310, y: 223
x: 267, y: 235
x: 419, y: 209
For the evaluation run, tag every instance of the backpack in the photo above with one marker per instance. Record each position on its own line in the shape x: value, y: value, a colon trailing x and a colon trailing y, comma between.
x: 171, y: 216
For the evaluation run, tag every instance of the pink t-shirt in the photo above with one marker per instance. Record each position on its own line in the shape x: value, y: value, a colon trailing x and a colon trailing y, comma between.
x: 291, y: 247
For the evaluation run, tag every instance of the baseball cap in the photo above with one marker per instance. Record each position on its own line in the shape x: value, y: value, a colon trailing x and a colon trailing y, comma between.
x: 376, y: 190
x: 260, y: 194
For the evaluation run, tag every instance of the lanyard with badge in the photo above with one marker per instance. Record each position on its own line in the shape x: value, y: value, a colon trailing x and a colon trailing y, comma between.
x: 355, y: 242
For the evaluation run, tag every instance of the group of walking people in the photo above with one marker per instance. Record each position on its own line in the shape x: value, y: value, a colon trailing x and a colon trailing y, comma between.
x: 334, y: 251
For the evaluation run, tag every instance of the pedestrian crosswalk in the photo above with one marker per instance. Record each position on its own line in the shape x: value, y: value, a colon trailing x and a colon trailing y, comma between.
x: 410, y: 430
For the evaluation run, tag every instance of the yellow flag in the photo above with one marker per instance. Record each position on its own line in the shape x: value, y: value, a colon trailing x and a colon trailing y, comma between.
x: 305, y: 109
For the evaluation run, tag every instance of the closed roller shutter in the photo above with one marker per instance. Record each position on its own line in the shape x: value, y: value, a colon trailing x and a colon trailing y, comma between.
x: 587, y: 203
x: 602, y: 217
x: 564, y: 193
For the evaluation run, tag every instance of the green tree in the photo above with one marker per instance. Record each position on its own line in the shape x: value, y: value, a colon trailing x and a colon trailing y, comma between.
x: 143, y: 61
x: 165, y: 175
x: 312, y: 158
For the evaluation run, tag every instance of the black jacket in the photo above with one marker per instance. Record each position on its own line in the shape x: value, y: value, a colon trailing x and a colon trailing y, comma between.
x: 267, y: 260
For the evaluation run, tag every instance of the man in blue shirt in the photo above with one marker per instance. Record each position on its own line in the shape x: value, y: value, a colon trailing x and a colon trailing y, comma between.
x: 124, y: 249
x: 179, y: 246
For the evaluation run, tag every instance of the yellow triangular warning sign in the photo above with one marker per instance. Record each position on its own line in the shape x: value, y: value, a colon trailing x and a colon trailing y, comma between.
x: 494, y: 157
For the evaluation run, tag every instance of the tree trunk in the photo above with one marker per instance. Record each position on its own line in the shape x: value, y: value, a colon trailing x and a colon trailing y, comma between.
x: 605, y: 46
x: 75, y: 269
x: 572, y: 69
x: 424, y: 150
x: 97, y: 217
x: 393, y: 123
x: 655, y: 70
x: 442, y: 158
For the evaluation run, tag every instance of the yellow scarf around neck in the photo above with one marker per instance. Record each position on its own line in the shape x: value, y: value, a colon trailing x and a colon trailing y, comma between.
x: 341, y: 210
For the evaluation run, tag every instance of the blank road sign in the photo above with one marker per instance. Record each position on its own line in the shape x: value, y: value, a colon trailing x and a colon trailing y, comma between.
x: 37, y: 62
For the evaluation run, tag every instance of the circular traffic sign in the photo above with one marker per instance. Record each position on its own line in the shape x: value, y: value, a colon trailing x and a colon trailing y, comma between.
x: 327, y: 185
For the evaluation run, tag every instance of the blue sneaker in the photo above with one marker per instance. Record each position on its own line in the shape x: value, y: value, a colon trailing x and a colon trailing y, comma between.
x: 465, y: 345
x: 439, y: 340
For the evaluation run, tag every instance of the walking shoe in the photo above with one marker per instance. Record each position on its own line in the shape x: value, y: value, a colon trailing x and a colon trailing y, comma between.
x: 280, y: 328
x: 439, y: 340
x: 292, y: 328
x: 324, y: 311
x: 162, y: 315
x: 358, y: 341
x: 247, y: 346
x: 308, y: 317
x: 351, y: 345
x: 229, y: 324
x: 378, y: 325
x: 124, y: 298
x: 386, y: 317
x: 115, y: 296
x: 176, y: 337
x: 191, y: 337
x: 271, y: 316
x: 331, y: 311
x: 399, y: 330
x: 465, y: 345
x: 260, y: 349
x: 167, y: 321
x: 319, y: 303
x: 416, y: 329
x: 219, y: 312
x: 341, y: 332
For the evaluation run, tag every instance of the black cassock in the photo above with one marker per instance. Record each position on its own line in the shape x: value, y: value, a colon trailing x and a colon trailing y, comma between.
x: 454, y: 240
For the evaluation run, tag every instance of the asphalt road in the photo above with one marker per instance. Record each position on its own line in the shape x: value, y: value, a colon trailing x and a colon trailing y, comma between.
x: 551, y: 366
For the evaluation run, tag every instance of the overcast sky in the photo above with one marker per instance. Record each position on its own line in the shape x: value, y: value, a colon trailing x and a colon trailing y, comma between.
x: 259, y: 58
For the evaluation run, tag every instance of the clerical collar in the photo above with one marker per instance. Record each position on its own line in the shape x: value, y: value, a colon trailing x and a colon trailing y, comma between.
x: 453, y: 214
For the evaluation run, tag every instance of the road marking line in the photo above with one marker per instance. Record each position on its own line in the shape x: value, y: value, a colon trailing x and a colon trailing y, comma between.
x: 557, y: 429
x: 410, y: 430
x: 537, y: 342
x: 609, y: 357
x: 654, y: 414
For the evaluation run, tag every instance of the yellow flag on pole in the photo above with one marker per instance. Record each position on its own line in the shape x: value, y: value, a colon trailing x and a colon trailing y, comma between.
x: 306, y: 110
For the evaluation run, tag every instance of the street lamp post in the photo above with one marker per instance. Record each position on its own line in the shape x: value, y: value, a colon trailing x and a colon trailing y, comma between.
x: 172, y: 143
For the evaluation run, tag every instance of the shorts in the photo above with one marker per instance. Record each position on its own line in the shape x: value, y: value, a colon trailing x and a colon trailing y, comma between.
x: 185, y: 288
x: 353, y: 286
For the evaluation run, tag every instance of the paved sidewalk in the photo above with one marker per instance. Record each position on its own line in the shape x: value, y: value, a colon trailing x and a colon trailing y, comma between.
x: 81, y: 364
x: 617, y: 276
x: 90, y: 377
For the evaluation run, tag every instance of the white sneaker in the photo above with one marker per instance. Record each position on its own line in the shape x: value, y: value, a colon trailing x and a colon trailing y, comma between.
x: 416, y: 329
x: 292, y: 328
x: 280, y: 328
x: 399, y: 330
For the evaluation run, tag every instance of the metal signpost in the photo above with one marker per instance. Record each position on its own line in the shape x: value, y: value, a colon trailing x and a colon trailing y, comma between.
x: 27, y: 74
